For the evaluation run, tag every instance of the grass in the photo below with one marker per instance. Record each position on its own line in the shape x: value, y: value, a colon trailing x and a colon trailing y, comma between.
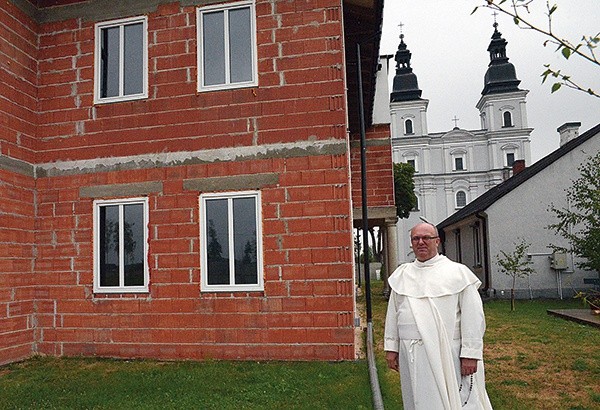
x: 533, y: 361
x: 79, y: 383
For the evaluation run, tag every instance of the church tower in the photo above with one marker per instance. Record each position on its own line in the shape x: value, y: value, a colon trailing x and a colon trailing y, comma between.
x: 502, y: 102
x: 408, y: 110
x: 502, y: 107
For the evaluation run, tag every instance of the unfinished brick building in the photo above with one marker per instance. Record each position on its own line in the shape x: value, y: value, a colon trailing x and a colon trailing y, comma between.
x: 180, y: 179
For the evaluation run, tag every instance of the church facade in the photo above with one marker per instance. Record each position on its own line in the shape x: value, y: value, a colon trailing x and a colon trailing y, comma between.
x: 453, y: 168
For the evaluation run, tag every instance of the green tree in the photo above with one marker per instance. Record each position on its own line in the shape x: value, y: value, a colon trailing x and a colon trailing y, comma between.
x: 404, y: 189
x: 579, y: 222
x: 519, y: 11
x: 516, y: 265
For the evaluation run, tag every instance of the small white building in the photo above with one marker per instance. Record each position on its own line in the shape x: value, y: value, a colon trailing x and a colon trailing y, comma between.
x: 518, y: 209
x: 455, y: 167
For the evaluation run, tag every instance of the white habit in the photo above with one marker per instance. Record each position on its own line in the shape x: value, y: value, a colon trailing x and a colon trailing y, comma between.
x: 435, y: 317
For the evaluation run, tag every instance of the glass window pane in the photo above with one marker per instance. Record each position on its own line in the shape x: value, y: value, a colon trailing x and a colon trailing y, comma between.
x: 244, y: 240
x: 217, y: 240
x: 109, y: 246
x: 109, y: 62
x: 133, y: 226
x: 240, y: 45
x: 134, y: 59
x: 213, y: 44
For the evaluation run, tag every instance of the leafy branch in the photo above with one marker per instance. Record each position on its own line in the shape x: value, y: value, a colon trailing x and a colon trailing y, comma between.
x: 518, y: 10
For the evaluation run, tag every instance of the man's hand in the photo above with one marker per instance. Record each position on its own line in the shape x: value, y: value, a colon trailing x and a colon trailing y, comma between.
x: 392, y: 360
x: 467, y: 366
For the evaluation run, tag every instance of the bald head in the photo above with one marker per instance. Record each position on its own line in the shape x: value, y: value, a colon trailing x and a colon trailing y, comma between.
x: 424, y: 240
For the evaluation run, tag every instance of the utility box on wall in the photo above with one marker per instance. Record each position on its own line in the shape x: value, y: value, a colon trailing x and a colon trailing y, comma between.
x: 558, y: 260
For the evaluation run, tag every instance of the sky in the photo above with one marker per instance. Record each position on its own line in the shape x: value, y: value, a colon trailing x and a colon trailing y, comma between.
x: 450, y: 58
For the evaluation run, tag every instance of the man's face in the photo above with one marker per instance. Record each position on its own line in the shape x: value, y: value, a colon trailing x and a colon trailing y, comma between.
x: 424, y: 242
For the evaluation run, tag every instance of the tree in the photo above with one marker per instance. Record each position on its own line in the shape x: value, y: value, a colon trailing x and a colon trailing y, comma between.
x: 516, y: 265
x: 404, y: 189
x: 519, y: 11
x: 579, y: 222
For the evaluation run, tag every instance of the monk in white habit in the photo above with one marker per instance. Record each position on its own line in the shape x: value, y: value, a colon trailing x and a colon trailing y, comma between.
x: 434, y: 329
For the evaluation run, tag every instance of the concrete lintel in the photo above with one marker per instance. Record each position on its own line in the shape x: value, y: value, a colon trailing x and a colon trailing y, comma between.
x: 121, y: 190
x: 16, y: 166
x: 231, y: 183
x: 375, y: 142
x: 384, y: 213
x: 162, y: 160
x: 98, y: 10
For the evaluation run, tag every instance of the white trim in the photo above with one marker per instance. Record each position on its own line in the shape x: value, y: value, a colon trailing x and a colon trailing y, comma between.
x: 232, y: 287
x: 97, y: 45
x: 96, y: 231
x: 200, y: 51
x: 456, y: 199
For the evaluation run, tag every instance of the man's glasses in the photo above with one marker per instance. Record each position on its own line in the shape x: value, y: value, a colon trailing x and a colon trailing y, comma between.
x: 416, y: 239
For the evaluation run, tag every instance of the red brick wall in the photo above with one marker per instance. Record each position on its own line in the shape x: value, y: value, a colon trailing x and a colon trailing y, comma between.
x: 305, y: 311
x: 300, y: 94
x: 18, y: 78
x: 307, y: 307
x: 380, y: 174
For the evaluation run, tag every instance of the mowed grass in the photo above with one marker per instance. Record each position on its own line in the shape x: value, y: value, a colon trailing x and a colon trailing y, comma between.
x: 533, y: 361
x: 79, y: 383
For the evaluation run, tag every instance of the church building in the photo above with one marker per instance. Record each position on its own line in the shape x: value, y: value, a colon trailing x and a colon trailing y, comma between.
x: 453, y: 168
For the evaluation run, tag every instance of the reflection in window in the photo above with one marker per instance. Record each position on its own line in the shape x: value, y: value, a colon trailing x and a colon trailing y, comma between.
x: 231, y: 256
x: 121, y: 232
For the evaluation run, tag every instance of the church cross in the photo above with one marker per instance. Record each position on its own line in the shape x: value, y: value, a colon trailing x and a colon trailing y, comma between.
x: 455, y: 121
x: 495, y: 22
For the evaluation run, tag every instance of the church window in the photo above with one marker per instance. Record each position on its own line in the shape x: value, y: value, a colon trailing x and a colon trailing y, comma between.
x: 507, y: 119
x: 510, y: 159
x: 411, y: 162
x: 483, y: 121
x: 458, y: 164
x: 408, y: 127
x: 461, y: 199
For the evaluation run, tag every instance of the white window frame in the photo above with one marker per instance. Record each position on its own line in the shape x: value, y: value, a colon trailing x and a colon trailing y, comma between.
x: 411, y: 156
x: 121, y: 23
x: 96, y: 226
x: 200, y: 51
x: 412, y: 127
x: 510, y: 116
x: 463, y: 156
x: 232, y: 287
x: 456, y: 205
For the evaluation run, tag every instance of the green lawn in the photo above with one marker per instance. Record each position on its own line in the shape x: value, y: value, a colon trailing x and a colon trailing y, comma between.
x: 533, y: 361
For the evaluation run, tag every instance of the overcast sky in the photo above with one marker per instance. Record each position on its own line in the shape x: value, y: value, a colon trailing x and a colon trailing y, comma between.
x: 450, y: 58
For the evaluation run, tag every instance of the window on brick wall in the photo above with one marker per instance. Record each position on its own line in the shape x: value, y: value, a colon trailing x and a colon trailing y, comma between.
x: 230, y: 242
x: 121, y: 60
x: 120, y: 245
x: 227, y: 46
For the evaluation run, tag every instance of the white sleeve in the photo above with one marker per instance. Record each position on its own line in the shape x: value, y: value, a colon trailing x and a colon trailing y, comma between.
x: 472, y: 324
x: 390, y: 338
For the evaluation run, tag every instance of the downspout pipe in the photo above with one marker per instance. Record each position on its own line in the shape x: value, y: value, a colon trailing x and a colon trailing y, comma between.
x: 376, y: 390
x: 486, y: 263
